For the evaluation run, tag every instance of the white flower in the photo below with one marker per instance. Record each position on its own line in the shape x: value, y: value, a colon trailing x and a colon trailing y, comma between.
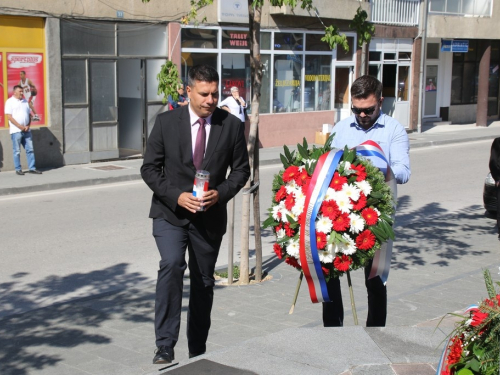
x: 343, y: 202
x: 327, y: 255
x: 357, y: 223
x: 324, y: 224
x: 351, y: 191
x: 293, y: 248
x: 347, y: 165
x: 348, y: 247
x: 285, y: 212
x: 298, y: 208
x: 330, y: 194
x: 364, y: 186
x: 276, y: 209
x: 280, y: 234
x: 290, y: 186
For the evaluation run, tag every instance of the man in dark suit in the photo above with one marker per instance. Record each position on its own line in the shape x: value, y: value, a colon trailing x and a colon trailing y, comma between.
x: 198, y: 136
x: 495, y: 173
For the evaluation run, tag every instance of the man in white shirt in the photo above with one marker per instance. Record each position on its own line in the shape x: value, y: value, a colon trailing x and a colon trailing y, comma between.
x: 18, y: 113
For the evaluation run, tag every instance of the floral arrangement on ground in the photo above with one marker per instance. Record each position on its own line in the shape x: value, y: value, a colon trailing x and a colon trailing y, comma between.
x: 473, y: 347
x: 354, y: 218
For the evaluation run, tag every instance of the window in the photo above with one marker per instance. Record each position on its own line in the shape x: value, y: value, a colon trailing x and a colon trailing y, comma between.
x: 289, y: 41
x: 199, y: 38
x: 462, y: 7
x: 314, y: 43
x: 74, y: 82
x: 346, y: 55
x: 317, y: 83
x: 142, y: 40
x: 286, y: 88
x: 433, y: 50
x: 235, y: 39
x: 87, y: 38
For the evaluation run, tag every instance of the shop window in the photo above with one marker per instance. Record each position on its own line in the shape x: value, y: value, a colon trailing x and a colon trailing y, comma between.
x: 103, y: 91
x: 142, y: 40
x: 314, y: 43
x: 235, y: 39
x: 74, y: 82
x: 188, y: 60
x: 153, y: 67
x: 199, y: 38
x: 346, y: 55
x: 375, y: 56
x: 265, y: 93
x: 288, y: 41
x: 342, y: 88
x: 433, y: 50
x: 87, y: 38
x: 265, y: 40
x: 403, y: 84
x: 317, y: 90
x: 235, y: 72
x: 286, y: 88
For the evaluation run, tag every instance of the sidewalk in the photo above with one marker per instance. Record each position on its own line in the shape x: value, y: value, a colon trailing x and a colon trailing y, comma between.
x: 128, y: 170
x: 252, y: 331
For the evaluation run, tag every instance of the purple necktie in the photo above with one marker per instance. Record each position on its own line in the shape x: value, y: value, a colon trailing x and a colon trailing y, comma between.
x: 199, y: 146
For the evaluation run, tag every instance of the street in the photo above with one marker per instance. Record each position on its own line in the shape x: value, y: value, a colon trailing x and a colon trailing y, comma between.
x: 99, y: 238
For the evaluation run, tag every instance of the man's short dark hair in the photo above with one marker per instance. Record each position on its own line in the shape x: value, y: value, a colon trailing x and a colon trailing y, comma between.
x: 17, y: 87
x: 202, y: 73
x: 23, y: 71
x: 365, y: 86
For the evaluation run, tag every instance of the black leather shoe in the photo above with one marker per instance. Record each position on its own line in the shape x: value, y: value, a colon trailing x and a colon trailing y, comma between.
x: 20, y: 173
x: 163, y: 355
x: 192, y: 355
x: 34, y: 171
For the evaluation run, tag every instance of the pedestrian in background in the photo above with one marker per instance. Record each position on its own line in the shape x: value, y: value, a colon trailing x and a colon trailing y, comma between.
x: 198, y: 136
x: 235, y: 103
x: 181, y: 101
x: 368, y: 122
x: 18, y: 112
x: 495, y: 173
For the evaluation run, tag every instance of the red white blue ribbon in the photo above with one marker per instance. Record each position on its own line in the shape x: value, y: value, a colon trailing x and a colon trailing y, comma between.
x: 443, y: 362
x: 309, y: 258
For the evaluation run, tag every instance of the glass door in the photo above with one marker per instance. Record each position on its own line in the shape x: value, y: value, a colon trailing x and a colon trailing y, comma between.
x: 430, y: 94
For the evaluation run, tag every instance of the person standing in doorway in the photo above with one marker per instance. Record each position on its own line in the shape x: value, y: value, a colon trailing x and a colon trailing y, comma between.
x: 195, y: 137
x: 18, y: 113
x: 368, y: 122
x: 235, y: 103
x: 29, y: 93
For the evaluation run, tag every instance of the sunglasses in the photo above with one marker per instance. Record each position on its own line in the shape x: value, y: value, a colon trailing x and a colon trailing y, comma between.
x: 367, y: 111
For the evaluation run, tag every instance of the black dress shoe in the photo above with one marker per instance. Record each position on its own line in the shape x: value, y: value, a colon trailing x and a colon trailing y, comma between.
x: 20, y: 173
x: 34, y: 171
x: 163, y: 355
x: 192, y: 355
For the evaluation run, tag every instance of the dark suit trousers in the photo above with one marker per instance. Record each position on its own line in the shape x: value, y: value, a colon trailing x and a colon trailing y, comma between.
x: 172, y: 242
x: 333, y: 312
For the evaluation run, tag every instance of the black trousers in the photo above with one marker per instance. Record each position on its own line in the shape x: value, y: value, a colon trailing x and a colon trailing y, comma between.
x: 498, y: 210
x: 172, y: 242
x: 333, y: 312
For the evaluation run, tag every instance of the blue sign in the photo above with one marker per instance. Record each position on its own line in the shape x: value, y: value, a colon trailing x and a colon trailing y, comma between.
x: 119, y: 14
x: 454, y: 45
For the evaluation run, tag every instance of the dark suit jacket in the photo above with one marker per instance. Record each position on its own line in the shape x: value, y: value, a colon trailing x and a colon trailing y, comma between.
x: 168, y: 167
x: 495, y: 159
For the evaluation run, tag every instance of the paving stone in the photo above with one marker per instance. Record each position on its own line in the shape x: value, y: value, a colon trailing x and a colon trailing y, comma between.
x: 413, y: 369
x: 374, y: 370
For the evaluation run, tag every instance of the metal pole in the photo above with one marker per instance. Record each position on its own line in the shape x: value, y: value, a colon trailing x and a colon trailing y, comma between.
x: 230, y: 244
x: 423, y: 33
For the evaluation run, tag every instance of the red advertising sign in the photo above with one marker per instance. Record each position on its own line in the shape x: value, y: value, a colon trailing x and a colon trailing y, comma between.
x: 26, y: 70
x: 2, y: 89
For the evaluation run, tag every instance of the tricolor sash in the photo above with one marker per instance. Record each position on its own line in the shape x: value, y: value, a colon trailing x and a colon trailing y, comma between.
x: 318, y: 186
x: 309, y: 258
x: 381, y: 263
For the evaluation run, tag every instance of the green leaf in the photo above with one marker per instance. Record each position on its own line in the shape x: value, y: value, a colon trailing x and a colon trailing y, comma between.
x: 303, y: 151
x: 304, y: 143
x: 287, y: 153
x: 269, y: 222
x: 465, y: 371
x: 284, y: 161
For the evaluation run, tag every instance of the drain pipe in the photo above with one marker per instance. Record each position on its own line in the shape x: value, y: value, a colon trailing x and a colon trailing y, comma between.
x: 423, y: 35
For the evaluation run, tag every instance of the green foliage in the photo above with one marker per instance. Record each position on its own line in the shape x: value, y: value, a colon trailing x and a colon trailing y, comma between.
x: 168, y: 80
x: 334, y: 38
x: 490, y: 287
x: 364, y: 29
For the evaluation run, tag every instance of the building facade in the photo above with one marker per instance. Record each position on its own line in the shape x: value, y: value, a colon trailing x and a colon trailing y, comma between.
x: 94, y: 67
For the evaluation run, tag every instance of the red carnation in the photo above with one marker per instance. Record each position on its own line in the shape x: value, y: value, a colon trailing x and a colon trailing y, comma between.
x: 478, y: 318
x: 365, y: 240
x: 320, y: 240
x: 341, y: 222
x: 280, y: 194
x: 278, y: 250
x: 330, y: 209
x: 326, y: 270
x: 305, y: 187
x: 370, y: 216
x: 360, y: 171
x: 289, y: 202
x: 455, y: 351
x: 288, y: 230
x: 338, y: 181
x: 290, y: 173
x: 342, y: 263
x: 302, y: 178
x: 293, y: 262
x: 360, y: 203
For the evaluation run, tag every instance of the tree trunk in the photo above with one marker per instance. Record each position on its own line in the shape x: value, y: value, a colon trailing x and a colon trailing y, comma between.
x: 256, y: 217
x: 256, y: 79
